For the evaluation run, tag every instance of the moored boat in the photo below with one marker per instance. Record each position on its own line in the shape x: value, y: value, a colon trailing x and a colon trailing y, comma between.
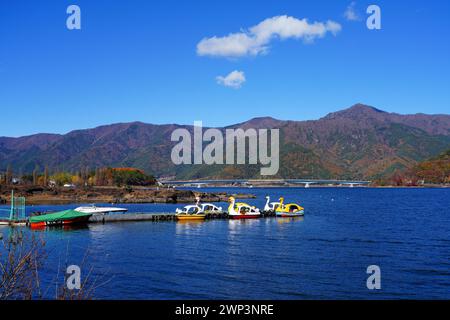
x: 65, y: 217
x: 192, y: 212
x: 289, y: 210
x: 240, y: 210
x: 100, y: 210
x: 197, y: 211
x: 270, y: 207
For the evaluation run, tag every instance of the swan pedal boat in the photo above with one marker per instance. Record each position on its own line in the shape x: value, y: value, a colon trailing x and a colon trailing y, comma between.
x: 242, y: 210
x: 197, y: 211
x: 190, y: 213
x: 289, y: 210
x: 270, y: 207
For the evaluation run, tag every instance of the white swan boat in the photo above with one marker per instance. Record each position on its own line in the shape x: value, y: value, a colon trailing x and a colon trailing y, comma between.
x: 210, y: 208
x: 270, y: 206
x: 197, y: 211
x: 240, y: 210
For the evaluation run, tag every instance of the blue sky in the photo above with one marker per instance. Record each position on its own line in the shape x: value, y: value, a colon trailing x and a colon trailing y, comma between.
x: 138, y: 61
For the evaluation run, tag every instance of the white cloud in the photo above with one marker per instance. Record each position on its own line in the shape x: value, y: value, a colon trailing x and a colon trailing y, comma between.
x: 234, y: 79
x: 256, y: 40
x: 350, y: 13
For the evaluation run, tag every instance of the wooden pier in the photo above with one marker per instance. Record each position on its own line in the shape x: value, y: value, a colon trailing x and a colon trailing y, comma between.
x: 134, y: 217
x: 129, y: 217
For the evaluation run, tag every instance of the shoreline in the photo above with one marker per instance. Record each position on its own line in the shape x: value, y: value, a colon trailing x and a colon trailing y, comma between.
x: 112, y: 195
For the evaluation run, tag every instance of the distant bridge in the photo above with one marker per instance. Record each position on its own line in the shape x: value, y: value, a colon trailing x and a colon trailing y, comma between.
x: 251, y: 182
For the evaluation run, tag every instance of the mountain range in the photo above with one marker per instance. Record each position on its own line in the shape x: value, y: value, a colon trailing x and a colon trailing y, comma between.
x: 360, y: 142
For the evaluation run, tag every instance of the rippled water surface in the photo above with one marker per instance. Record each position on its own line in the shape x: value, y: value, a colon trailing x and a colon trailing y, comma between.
x: 323, y: 255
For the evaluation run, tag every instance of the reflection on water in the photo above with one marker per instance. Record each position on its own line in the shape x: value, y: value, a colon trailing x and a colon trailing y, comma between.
x: 243, y: 223
x: 188, y: 226
x: 289, y: 219
x: 60, y: 228
x: 190, y: 222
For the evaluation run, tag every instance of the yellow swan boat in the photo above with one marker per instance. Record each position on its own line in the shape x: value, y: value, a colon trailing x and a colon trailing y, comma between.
x: 289, y: 209
x: 193, y: 212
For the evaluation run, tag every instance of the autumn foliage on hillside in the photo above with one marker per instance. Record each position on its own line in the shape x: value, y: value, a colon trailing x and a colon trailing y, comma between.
x: 433, y: 171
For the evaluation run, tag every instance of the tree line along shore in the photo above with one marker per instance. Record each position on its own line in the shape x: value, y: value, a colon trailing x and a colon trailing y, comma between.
x: 85, y: 177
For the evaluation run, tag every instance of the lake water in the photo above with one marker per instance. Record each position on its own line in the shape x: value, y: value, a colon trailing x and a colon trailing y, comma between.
x: 406, y: 232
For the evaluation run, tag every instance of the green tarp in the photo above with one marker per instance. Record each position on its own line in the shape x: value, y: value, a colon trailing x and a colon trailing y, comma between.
x: 61, y: 215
